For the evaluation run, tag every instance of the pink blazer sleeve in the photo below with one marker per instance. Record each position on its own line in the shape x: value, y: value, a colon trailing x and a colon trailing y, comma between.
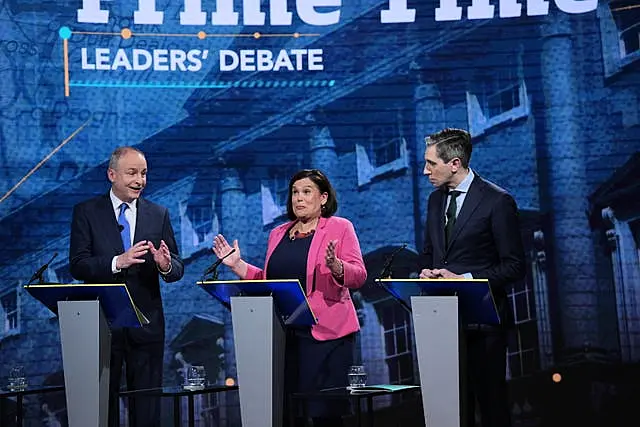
x: 254, y: 273
x: 347, y: 250
x: 355, y: 273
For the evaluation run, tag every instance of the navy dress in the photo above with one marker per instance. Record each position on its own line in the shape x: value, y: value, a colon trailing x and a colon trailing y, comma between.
x: 310, y: 364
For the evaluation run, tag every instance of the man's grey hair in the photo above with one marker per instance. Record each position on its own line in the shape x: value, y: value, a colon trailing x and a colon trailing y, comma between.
x: 118, y: 153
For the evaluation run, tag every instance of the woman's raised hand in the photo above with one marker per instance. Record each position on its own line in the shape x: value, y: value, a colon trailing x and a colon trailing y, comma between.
x: 222, y: 248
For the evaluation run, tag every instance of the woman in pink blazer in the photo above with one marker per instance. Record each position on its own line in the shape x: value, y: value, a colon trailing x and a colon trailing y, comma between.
x: 322, y: 251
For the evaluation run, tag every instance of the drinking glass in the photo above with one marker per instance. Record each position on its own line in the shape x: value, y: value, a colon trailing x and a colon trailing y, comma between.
x: 196, y: 377
x: 357, y: 377
x: 17, y: 379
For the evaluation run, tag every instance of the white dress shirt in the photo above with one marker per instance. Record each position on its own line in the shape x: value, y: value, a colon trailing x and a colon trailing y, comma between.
x: 130, y: 215
x: 463, y: 188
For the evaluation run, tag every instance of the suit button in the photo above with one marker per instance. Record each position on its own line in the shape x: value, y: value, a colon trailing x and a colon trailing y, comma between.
x: 445, y: 262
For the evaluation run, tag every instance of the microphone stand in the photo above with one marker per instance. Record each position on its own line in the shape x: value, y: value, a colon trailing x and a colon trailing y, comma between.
x: 38, y: 274
x: 214, y: 268
x: 386, y: 274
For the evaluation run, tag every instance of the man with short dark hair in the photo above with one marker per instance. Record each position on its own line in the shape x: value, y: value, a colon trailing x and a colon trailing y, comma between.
x: 120, y: 237
x: 472, y: 231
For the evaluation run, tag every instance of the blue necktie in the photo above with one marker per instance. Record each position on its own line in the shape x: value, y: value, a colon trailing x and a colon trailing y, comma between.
x: 125, y: 230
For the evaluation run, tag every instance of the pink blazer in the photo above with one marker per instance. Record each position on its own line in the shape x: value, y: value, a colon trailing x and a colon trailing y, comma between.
x: 329, y: 300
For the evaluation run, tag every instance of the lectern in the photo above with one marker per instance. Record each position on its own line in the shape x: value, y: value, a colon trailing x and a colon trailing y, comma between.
x: 260, y: 312
x: 85, y: 313
x: 440, y: 308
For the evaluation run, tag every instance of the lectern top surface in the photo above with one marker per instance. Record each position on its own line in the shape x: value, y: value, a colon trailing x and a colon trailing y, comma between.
x: 475, y: 298
x: 115, y: 300
x: 289, y: 298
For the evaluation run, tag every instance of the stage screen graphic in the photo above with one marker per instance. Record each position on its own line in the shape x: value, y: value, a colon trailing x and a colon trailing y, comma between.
x: 229, y: 98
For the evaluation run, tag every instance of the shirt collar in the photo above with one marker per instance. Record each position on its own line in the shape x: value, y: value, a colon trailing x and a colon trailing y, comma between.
x: 116, y: 202
x: 463, y: 187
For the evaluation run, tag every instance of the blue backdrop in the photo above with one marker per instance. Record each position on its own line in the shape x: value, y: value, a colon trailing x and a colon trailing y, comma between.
x: 227, y: 106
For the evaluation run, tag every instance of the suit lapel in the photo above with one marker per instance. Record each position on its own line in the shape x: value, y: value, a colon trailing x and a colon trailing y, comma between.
x: 274, y: 241
x: 142, y: 219
x: 471, y: 202
x: 107, y: 216
x: 314, y: 251
x: 440, y: 218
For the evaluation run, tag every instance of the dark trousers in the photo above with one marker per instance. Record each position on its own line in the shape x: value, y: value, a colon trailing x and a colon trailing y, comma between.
x: 143, y: 369
x: 312, y: 365
x: 486, y: 364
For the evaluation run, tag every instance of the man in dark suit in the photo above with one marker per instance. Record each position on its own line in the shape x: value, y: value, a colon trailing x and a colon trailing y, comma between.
x: 119, y: 237
x: 472, y: 231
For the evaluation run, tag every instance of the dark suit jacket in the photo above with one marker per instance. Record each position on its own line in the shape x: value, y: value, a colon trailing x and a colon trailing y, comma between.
x: 95, y: 240
x: 486, y: 239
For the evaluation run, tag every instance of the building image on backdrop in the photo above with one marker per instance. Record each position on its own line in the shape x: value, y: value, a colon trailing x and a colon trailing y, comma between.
x: 553, y: 106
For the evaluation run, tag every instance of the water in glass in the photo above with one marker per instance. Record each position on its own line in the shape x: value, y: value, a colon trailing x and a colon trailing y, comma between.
x: 17, y: 379
x: 357, y: 377
x: 196, y: 377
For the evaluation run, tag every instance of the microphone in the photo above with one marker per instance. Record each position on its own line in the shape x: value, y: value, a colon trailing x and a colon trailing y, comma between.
x: 120, y: 227
x: 38, y: 274
x: 386, y: 269
x: 215, y: 265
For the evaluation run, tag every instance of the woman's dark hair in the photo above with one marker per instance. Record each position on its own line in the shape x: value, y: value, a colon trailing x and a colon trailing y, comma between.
x: 323, y: 184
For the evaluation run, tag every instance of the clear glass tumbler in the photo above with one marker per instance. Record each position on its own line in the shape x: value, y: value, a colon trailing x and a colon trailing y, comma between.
x: 357, y: 377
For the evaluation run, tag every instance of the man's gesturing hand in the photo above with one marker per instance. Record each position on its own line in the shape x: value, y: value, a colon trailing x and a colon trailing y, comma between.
x: 133, y: 255
x: 161, y: 256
